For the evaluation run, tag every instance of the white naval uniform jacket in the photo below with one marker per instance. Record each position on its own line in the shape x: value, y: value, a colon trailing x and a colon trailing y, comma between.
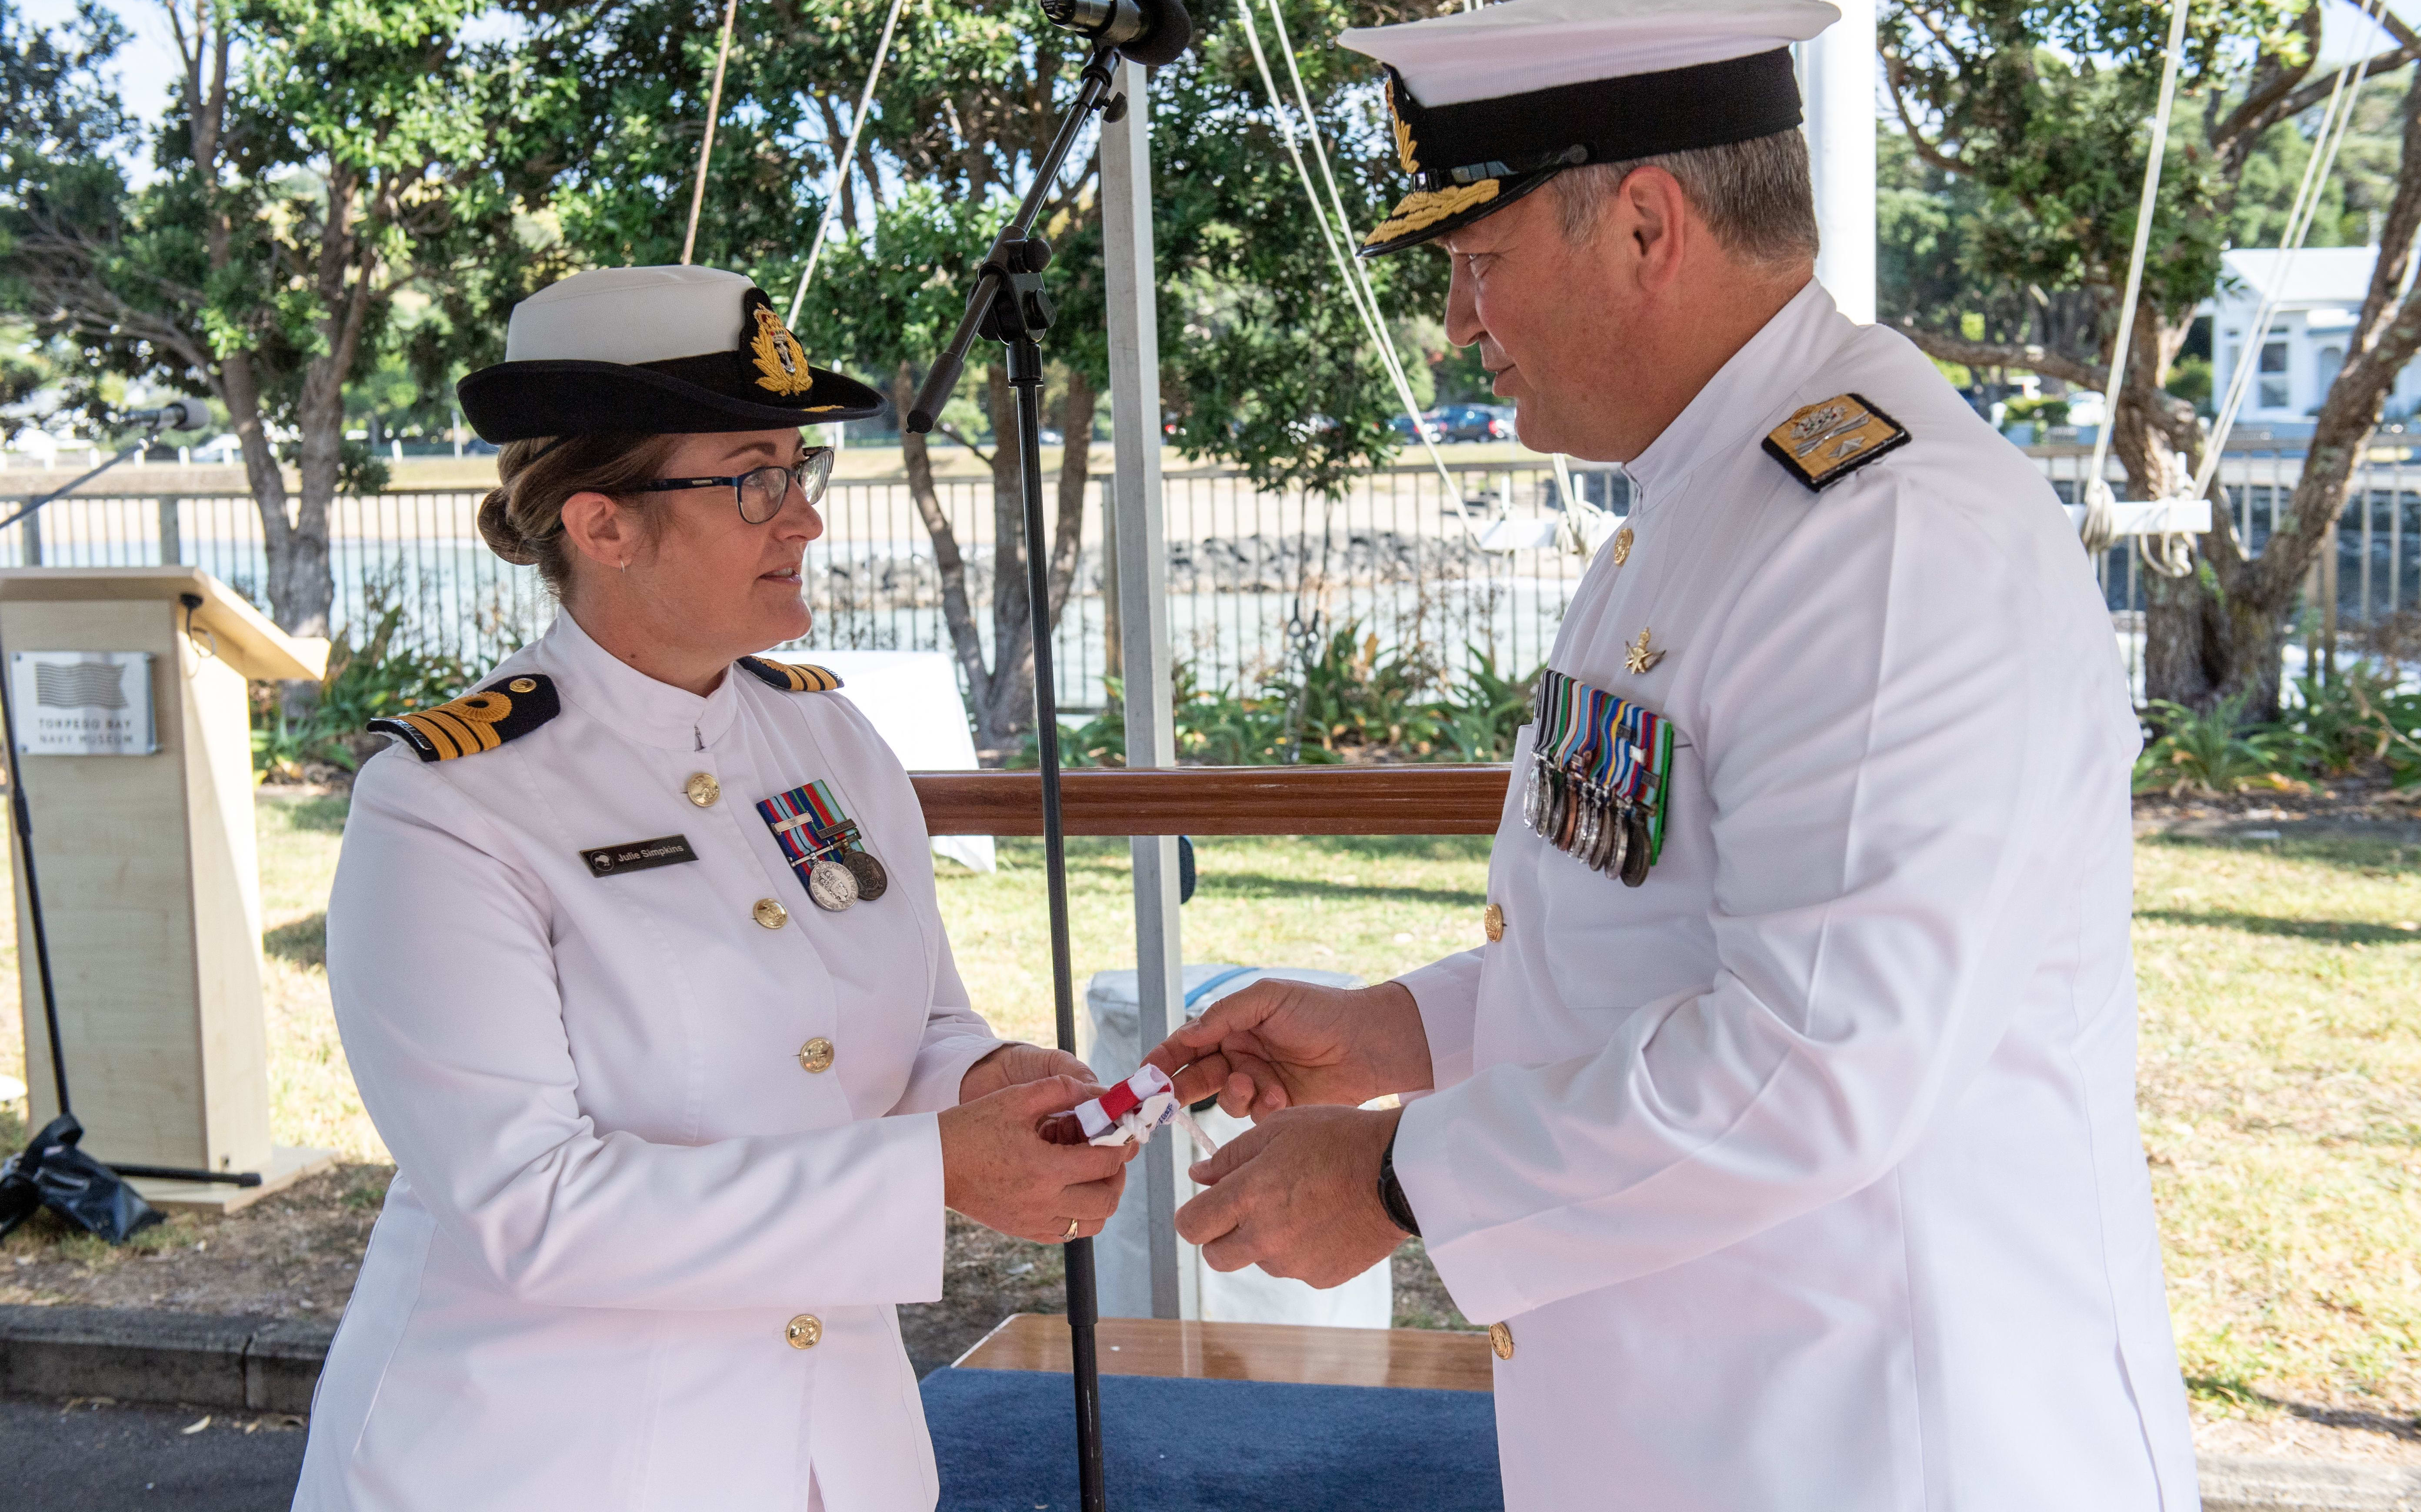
x: 616, y: 1183
x: 1806, y: 1176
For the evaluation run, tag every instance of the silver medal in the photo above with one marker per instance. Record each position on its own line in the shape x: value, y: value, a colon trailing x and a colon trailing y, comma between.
x: 831, y: 885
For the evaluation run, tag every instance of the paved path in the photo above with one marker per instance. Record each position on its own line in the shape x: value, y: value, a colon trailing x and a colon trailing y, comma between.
x: 88, y: 1459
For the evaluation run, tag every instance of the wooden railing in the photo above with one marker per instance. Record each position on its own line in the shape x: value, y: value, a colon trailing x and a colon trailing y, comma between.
x: 1407, y: 799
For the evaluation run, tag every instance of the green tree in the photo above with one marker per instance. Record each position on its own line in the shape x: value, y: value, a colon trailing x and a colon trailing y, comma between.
x: 1262, y: 362
x: 315, y: 160
x: 2042, y: 108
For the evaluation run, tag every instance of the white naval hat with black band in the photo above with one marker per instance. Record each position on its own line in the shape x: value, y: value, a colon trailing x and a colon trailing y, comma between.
x: 1491, y: 104
x: 653, y: 352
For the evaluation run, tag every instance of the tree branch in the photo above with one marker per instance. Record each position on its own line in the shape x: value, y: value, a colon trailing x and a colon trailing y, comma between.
x: 1896, y: 74
x: 982, y: 456
x: 2313, y: 93
x: 2032, y: 356
x: 2397, y: 233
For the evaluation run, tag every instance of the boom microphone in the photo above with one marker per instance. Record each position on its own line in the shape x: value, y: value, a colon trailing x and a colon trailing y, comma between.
x: 1150, y: 32
x: 176, y: 415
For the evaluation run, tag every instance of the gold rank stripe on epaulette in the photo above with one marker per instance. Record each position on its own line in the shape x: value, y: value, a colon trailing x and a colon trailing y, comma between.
x: 791, y: 676
x: 504, y: 709
x: 1826, y: 443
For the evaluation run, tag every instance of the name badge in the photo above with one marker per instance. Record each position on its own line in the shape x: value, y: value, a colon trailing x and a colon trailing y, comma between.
x: 638, y: 856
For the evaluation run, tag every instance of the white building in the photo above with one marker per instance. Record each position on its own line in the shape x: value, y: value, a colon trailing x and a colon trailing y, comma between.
x: 2319, y: 299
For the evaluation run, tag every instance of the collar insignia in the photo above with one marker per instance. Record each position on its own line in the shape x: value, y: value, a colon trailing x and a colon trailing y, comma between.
x: 1823, y: 443
x: 781, y: 362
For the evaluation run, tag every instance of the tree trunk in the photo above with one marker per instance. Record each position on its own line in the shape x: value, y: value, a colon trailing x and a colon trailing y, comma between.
x: 1000, y: 696
x: 1077, y: 401
x: 1007, y: 704
x: 958, y: 613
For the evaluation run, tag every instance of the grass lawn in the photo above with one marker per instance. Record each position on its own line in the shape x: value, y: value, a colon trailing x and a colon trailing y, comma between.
x: 2281, y: 1052
x: 2281, y: 1099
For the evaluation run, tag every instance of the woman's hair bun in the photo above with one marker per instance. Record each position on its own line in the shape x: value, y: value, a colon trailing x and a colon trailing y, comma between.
x: 497, y: 530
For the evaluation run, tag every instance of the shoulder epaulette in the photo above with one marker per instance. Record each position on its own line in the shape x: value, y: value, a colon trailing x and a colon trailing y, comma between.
x: 1826, y: 443
x: 791, y: 676
x: 504, y: 709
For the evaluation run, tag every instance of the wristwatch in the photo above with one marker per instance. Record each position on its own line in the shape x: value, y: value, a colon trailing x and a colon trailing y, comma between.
x: 1391, y: 1193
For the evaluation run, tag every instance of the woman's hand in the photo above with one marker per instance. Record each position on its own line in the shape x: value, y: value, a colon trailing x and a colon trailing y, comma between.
x: 1013, y: 1065
x: 998, y: 1169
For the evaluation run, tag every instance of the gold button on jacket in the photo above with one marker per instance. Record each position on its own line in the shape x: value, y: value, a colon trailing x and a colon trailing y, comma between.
x: 816, y: 1054
x: 702, y: 788
x: 803, y: 1332
x: 770, y: 914
x: 1494, y: 922
x: 1500, y: 1339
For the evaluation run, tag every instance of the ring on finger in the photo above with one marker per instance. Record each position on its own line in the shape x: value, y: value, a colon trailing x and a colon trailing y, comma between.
x: 1073, y: 1224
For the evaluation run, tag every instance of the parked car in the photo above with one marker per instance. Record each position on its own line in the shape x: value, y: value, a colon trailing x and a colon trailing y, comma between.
x: 1475, y: 422
x: 1429, y: 430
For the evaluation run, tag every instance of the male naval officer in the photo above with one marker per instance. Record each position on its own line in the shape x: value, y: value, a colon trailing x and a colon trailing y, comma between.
x: 1783, y: 1130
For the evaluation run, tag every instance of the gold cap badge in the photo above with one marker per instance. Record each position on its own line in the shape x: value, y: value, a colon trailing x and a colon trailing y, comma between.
x: 781, y: 362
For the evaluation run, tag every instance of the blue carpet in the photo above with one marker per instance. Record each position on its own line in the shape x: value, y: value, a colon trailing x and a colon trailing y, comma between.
x: 1007, y: 1443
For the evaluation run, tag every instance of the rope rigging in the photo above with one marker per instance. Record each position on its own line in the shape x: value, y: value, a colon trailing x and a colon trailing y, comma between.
x: 2172, y: 556
x: 714, y: 114
x: 2336, y: 123
x: 840, y: 164
x: 1358, y: 285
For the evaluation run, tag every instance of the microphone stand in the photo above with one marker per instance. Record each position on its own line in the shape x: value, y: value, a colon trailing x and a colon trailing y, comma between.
x: 1009, y: 305
x: 21, y: 815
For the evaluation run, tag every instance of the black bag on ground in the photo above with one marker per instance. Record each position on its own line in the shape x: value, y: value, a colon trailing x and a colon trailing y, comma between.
x: 52, y: 1172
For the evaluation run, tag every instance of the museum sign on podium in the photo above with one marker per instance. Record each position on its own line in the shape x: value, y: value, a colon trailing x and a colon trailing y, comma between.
x: 134, y: 740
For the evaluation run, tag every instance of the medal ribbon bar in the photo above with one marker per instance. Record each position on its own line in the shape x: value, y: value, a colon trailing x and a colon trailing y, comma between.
x: 1600, y: 767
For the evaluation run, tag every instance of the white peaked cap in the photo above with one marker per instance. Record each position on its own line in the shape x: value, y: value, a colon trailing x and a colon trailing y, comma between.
x: 629, y: 315
x: 1525, y: 45
x: 653, y: 352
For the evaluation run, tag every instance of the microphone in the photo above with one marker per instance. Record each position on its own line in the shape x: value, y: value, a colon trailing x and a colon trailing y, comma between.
x: 176, y: 415
x: 1150, y: 32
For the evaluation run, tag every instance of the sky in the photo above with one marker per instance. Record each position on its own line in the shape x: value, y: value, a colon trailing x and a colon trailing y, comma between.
x: 145, y: 68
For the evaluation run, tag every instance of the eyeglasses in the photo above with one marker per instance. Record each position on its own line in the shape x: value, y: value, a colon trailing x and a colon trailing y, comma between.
x: 760, y: 492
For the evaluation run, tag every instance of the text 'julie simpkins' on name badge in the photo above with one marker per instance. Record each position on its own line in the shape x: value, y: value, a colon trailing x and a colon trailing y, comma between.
x: 638, y: 856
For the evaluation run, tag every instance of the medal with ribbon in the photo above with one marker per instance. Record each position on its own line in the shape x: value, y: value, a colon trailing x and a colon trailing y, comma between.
x: 824, y: 846
x: 1598, y: 773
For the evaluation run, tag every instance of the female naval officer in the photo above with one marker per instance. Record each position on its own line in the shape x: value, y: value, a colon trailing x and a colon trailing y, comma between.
x: 637, y: 960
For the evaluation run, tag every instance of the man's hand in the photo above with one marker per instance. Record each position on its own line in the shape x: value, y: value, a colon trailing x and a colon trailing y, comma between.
x: 1015, y: 1063
x: 998, y: 1169
x: 1298, y: 1195
x: 1280, y: 1044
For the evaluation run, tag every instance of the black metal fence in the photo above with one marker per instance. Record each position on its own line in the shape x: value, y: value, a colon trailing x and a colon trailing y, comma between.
x: 1481, y: 568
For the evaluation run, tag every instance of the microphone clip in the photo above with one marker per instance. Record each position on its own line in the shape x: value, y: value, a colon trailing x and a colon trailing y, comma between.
x: 1019, y: 307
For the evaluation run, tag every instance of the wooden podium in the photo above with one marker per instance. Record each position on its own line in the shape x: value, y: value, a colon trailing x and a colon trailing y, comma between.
x: 149, y: 868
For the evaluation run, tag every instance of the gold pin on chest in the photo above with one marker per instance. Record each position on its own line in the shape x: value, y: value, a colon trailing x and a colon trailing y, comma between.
x: 1622, y: 546
x: 1641, y: 659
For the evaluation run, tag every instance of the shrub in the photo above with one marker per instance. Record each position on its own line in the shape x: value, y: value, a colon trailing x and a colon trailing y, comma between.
x: 365, y: 681
x: 2210, y: 751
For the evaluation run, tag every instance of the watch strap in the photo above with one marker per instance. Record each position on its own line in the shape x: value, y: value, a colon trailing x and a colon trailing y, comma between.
x: 1391, y: 1192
